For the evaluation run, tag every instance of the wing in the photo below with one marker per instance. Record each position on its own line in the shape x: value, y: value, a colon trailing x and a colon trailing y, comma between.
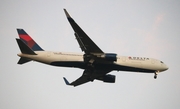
x: 85, y: 43
x: 86, y: 77
x: 79, y: 81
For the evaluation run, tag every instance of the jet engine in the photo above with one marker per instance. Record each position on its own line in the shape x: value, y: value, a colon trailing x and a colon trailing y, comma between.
x: 108, y: 78
x: 110, y: 56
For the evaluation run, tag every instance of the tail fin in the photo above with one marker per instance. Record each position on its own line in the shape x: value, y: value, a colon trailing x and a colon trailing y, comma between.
x: 28, y: 40
x: 24, y: 49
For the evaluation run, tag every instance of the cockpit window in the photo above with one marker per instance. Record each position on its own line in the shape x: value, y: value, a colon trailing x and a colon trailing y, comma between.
x: 161, y: 62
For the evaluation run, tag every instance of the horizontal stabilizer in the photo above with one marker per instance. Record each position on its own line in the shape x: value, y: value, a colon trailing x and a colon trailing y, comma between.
x: 23, y: 60
x: 24, y: 48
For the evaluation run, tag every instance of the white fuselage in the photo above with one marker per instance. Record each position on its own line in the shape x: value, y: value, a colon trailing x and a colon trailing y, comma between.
x: 123, y: 63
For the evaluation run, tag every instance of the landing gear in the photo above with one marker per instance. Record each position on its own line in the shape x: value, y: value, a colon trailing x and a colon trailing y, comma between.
x: 155, y: 74
x: 89, y: 70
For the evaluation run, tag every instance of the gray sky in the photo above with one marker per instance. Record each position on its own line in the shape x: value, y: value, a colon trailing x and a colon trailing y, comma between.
x: 147, y: 28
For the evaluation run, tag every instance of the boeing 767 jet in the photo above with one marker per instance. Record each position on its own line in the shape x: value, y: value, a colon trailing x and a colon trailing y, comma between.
x: 94, y: 61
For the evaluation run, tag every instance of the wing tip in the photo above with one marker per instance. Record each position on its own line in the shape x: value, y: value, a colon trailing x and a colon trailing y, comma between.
x: 67, y: 14
x: 66, y: 81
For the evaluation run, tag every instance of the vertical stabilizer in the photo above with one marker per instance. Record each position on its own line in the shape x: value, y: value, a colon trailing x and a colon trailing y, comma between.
x: 24, y: 48
x: 28, y: 40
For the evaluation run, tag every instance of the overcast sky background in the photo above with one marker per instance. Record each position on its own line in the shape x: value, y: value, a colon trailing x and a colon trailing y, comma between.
x: 147, y: 28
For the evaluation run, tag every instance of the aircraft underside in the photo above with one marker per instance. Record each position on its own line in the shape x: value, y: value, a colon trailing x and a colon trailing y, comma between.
x: 100, y: 66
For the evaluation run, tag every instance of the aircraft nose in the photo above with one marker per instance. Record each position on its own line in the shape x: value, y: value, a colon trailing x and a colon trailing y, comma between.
x: 165, y: 67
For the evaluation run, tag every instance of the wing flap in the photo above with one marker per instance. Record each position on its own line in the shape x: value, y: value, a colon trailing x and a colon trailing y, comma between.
x: 81, y: 45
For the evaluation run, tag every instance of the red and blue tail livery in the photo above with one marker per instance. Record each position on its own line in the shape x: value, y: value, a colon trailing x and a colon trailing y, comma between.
x: 28, y: 40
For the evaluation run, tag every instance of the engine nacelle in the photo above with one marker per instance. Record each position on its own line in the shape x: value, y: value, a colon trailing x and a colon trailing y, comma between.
x: 110, y: 56
x: 108, y: 78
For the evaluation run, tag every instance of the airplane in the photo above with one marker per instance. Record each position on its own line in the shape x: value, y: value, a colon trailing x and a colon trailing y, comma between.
x: 94, y: 61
